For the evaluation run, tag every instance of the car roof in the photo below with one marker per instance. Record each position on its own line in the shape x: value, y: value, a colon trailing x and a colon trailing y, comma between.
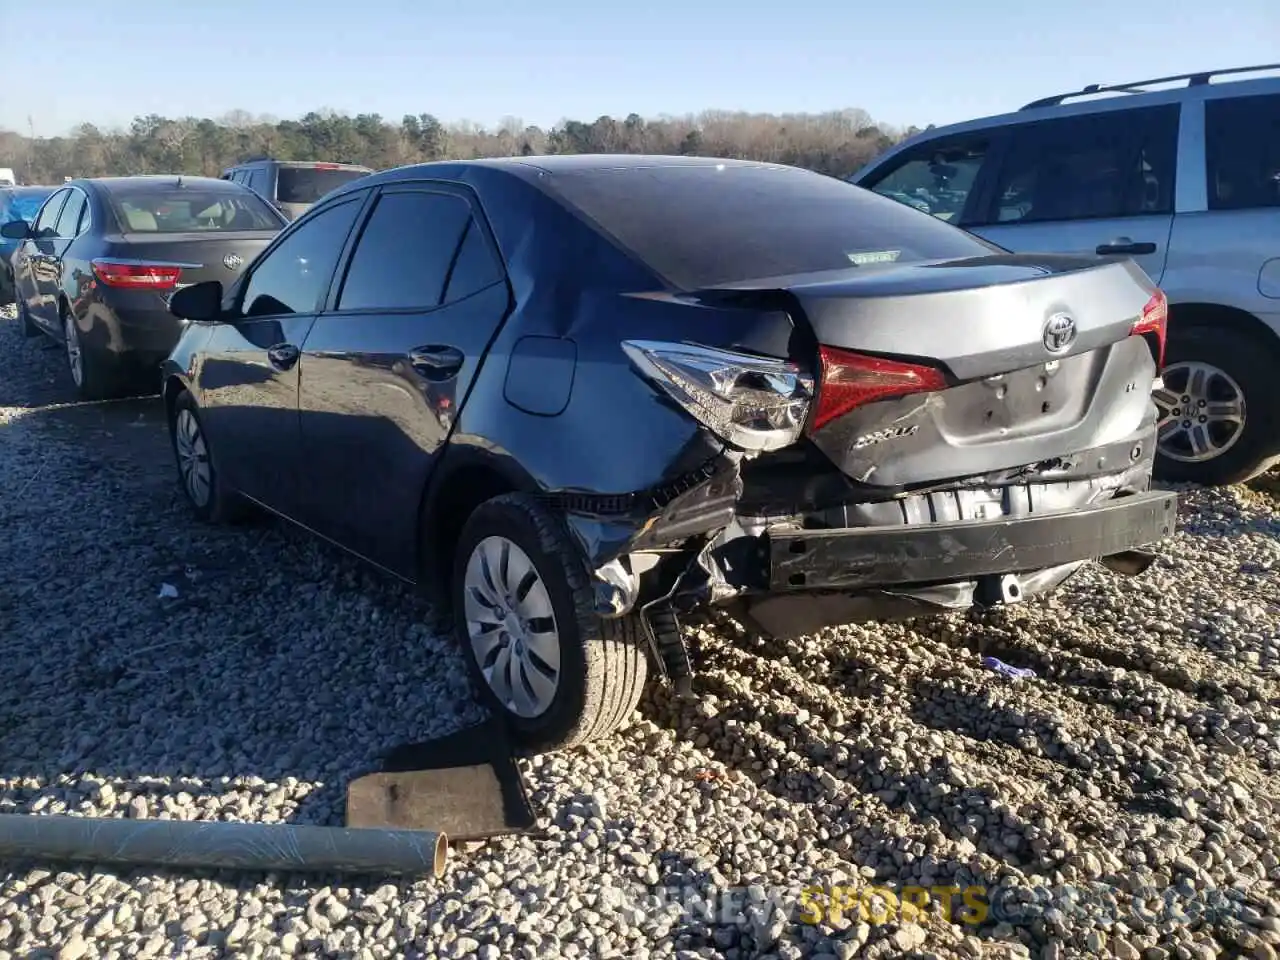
x: 566, y: 162
x: 538, y: 168
x: 114, y: 184
x: 29, y: 188
x: 267, y: 161
x: 1107, y: 101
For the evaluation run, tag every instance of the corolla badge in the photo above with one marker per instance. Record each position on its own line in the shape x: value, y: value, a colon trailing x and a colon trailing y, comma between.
x: 233, y: 261
x: 1059, y: 332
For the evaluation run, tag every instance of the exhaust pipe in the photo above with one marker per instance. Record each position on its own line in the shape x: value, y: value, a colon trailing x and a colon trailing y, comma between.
x: 222, y: 844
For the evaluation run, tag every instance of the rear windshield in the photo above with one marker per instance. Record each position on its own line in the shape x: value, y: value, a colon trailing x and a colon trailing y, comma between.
x: 190, y: 210
x: 703, y: 225
x: 22, y: 206
x: 309, y: 184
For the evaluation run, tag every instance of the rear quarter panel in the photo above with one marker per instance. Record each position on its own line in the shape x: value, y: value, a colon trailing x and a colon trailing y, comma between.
x: 612, y: 435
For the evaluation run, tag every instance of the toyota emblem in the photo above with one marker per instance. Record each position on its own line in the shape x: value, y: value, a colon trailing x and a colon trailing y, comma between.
x: 232, y: 261
x: 1059, y: 332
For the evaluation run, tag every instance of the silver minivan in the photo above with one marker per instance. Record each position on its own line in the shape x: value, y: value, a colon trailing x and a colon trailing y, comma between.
x: 1182, y: 174
x: 293, y: 186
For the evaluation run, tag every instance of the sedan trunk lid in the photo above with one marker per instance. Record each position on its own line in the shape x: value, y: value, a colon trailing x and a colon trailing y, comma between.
x: 202, y: 256
x: 941, y: 370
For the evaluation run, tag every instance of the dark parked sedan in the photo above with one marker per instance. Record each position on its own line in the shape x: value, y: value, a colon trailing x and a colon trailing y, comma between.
x: 95, y: 267
x: 589, y: 394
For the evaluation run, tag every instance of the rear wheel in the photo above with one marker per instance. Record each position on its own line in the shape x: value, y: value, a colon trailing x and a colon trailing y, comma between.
x: 541, y: 658
x: 1218, y: 407
x: 93, y: 374
x: 210, y: 499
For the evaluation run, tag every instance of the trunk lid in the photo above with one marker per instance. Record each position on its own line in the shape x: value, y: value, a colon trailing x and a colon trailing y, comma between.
x: 1021, y: 359
x: 221, y: 255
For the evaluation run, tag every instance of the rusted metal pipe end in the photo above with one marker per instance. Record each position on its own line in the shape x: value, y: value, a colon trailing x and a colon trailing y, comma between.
x: 217, y: 844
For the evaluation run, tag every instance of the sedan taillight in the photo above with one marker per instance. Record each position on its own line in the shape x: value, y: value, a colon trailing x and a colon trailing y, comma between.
x: 1154, y: 323
x: 850, y: 380
x: 754, y: 403
x: 135, y: 275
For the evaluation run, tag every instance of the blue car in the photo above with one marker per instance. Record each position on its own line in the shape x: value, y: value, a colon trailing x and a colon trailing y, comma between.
x: 16, y: 203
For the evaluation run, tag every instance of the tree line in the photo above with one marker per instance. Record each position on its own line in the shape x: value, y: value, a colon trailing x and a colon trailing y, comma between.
x: 836, y: 143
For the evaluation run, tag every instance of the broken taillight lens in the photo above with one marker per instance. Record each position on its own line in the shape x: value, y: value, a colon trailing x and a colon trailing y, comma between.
x: 850, y: 380
x: 754, y: 403
x: 1154, y: 322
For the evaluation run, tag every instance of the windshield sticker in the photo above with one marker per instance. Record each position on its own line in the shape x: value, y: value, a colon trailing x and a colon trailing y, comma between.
x: 874, y: 256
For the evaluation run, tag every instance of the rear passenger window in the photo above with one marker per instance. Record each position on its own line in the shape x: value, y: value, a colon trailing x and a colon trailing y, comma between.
x: 1113, y: 164
x: 294, y: 276
x: 475, y: 267
x: 936, y: 178
x: 1242, y: 152
x: 69, y: 219
x: 48, y: 220
x: 402, y: 258
x: 260, y: 181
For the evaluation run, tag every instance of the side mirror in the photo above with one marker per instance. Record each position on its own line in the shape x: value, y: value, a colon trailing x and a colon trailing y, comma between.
x: 16, y: 230
x: 201, y: 302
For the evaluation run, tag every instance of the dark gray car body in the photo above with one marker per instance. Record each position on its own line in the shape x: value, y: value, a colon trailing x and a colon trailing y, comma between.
x: 1031, y: 456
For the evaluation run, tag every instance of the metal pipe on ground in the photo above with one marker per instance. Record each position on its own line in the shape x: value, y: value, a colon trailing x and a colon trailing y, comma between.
x: 222, y: 844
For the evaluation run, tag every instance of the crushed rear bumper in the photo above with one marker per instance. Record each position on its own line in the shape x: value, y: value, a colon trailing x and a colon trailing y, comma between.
x: 868, y: 557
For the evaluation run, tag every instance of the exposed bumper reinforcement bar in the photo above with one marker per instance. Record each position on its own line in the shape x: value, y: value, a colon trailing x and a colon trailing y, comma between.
x: 851, y: 558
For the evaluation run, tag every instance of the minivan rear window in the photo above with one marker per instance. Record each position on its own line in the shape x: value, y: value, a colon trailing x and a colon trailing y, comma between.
x: 309, y: 184
x: 703, y: 224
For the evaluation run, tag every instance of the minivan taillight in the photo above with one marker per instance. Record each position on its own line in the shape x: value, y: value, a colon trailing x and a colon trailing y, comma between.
x: 137, y: 276
x: 1154, y: 323
x: 850, y: 380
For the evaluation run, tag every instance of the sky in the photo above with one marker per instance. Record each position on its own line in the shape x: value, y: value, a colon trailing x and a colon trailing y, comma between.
x: 541, y: 61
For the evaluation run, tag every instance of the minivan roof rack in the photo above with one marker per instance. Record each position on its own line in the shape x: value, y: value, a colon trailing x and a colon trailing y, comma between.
x: 1193, y: 80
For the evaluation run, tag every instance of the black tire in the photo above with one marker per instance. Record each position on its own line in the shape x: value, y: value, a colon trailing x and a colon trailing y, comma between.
x: 603, y: 663
x: 1252, y: 365
x: 221, y: 505
x: 100, y: 377
x: 29, y: 329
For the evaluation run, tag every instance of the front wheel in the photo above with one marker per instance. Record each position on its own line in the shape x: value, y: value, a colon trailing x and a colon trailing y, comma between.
x: 541, y: 658
x: 1218, y: 407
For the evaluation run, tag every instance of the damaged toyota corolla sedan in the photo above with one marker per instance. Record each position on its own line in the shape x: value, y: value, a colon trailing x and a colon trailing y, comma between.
x: 587, y: 395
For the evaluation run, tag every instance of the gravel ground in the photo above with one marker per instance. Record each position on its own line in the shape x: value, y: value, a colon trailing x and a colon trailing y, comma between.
x: 1122, y: 803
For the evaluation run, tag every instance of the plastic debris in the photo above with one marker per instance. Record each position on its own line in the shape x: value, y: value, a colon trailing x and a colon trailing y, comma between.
x: 168, y: 591
x: 1008, y: 670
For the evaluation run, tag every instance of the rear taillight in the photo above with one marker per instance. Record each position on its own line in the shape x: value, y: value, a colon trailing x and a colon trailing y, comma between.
x: 137, y: 276
x: 754, y: 403
x: 850, y: 380
x: 1154, y: 322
